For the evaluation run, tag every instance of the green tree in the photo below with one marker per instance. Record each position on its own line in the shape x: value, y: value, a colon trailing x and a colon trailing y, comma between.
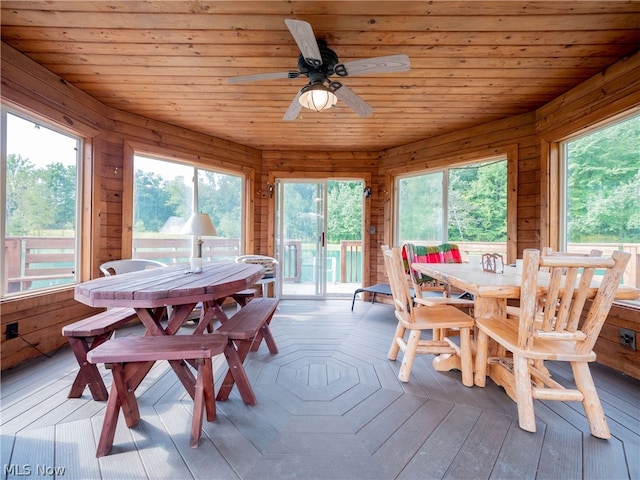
x: 603, y: 179
x: 478, y: 203
x: 179, y: 197
x: 420, y: 207
x: 152, y: 208
x: 344, y: 211
x: 220, y: 196
x: 302, y: 211
x: 28, y: 209
x: 61, y: 191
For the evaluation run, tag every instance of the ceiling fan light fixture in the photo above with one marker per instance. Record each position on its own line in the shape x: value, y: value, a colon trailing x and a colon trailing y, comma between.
x: 317, y: 97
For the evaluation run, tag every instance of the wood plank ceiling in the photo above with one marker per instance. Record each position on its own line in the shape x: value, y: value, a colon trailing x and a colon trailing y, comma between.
x: 471, y: 62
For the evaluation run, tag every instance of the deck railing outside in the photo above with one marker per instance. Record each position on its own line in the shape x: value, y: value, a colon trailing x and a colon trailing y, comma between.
x: 37, y: 262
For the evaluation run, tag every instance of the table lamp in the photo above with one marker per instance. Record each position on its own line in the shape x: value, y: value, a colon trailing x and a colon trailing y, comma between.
x: 197, y: 225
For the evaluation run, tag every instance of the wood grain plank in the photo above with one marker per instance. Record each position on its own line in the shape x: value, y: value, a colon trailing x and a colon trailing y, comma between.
x: 406, y: 441
x: 33, y: 452
x: 561, y: 452
x: 385, y: 423
x: 6, y: 448
x: 519, y: 458
x: 478, y: 454
x: 124, y: 456
x: 321, y: 23
x: 174, y: 416
x: 74, y: 441
x: 350, y: 8
x: 443, y: 444
x: 111, y: 55
x: 236, y: 448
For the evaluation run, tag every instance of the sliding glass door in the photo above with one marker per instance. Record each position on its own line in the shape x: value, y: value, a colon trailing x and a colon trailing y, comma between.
x: 300, y: 238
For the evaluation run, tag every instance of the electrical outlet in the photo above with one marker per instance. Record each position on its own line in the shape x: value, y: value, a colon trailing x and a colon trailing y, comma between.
x: 627, y: 338
x: 12, y: 330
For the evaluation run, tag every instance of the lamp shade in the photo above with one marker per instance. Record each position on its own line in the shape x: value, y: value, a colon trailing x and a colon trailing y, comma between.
x: 199, y: 224
x: 317, y: 97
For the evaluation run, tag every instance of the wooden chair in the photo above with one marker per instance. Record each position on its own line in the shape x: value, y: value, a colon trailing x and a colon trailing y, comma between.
x: 429, y: 291
x: 514, y: 312
x: 548, y: 252
x: 418, y: 319
x: 549, y: 328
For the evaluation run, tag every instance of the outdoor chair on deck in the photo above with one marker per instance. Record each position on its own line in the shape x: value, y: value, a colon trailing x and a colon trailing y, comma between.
x: 437, y: 318
x: 549, y: 327
x: 270, y: 266
x: 377, y: 289
x: 117, y: 267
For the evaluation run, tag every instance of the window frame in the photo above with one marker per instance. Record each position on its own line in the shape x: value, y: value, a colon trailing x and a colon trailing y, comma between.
x: 131, y: 149
x: 563, y: 166
x: 558, y: 153
x: 82, y: 246
x: 443, y: 172
x: 508, y: 152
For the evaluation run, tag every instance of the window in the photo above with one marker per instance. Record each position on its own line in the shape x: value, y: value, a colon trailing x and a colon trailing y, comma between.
x: 165, y: 195
x: 40, y: 222
x: 601, y: 192
x: 420, y: 208
x: 465, y: 205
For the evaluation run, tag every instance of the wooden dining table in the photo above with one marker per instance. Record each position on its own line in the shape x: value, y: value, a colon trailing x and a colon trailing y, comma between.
x: 491, y: 292
x: 150, y: 292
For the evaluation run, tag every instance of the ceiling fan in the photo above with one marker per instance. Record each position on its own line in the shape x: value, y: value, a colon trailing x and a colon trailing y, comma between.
x: 318, y: 62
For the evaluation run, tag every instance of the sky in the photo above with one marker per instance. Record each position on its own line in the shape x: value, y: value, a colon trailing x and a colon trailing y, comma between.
x: 41, y: 146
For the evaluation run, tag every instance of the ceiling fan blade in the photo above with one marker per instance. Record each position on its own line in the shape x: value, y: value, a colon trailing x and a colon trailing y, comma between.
x: 262, y: 76
x: 357, y: 104
x: 390, y: 63
x: 306, y: 40
x: 294, y: 109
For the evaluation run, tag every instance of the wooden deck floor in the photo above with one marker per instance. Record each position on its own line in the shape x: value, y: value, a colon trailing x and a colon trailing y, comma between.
x: 329, y: 407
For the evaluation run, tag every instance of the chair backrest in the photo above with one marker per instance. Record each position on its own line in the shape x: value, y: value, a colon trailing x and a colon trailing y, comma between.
x: 562, y: 303
x: 548, y: 252
x: 116, y: 267
x: 398, y: 281
x: 268, y: 263
x: 443, y: 253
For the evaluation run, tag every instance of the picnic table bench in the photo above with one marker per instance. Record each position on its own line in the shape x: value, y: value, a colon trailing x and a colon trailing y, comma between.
x: 243, y: 330
x: 85, y: 335
x: 123, y: 355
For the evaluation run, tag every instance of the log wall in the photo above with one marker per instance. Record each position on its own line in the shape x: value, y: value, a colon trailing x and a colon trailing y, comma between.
x: 34, y: 89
